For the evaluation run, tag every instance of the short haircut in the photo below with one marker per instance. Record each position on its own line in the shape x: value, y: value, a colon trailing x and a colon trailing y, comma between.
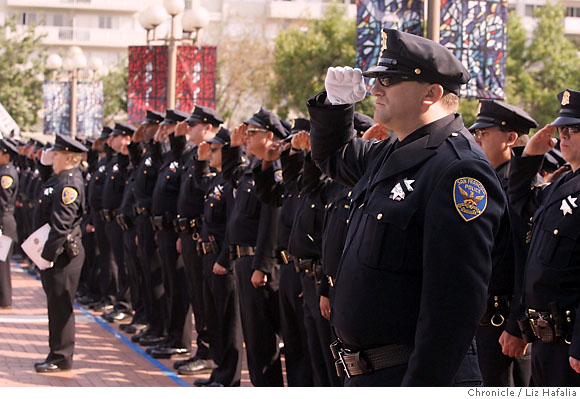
x: 450, y: 101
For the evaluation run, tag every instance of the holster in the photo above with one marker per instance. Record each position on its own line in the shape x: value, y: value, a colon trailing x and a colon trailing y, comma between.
x: 72, y: 243
x: 125, y: 222
x: 526, y: 329
x: 188, y: 225
x: 160, y: 222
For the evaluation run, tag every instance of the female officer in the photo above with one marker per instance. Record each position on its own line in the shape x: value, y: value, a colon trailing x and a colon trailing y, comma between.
x: 61, y: 206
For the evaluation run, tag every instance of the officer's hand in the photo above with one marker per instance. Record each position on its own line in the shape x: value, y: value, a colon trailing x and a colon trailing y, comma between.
x: 552, y: 177
x: 137, y: 240
x: 325, y: 307
x: 90, y: 228
x: 301, y: 141
x: 259, y: 278
x: 139, y: 134
x: 181, y: 128
x: 272, y: 152
x: 238, y: 135
x: 178, y: 245
x: 541, y: 142
x: 575, y: 364
x: 203, y: 151
x: 512, y: 346
x: 377, y: 132
x: 219, y: 269
x: 344, y: 85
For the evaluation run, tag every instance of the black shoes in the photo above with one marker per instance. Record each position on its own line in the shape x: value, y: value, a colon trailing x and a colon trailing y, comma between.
x: 135, y: 328
x: 206, y: 382
x: 48, y: 367
x: 196, y: 366
x: 116, y: 315
x: 150, y: 340
x: 168, y: 353
x: 101, y: 306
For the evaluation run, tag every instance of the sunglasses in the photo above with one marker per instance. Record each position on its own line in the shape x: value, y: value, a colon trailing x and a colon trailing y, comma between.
x: 251, y: 131
x: 479, y: 133
x: 390, y: 80
x: 570, y: 129
x: 214, y: 149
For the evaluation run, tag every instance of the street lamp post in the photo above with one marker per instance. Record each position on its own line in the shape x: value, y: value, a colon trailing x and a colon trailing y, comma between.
x: 192, y: 22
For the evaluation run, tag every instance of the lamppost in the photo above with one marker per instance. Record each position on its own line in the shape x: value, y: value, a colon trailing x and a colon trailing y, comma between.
x: 73, y: 64
x: 192, y: 21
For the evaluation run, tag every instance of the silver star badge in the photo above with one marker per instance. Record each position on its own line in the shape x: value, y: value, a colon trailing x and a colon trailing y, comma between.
x: 566, y: 202
x: 397, y: 193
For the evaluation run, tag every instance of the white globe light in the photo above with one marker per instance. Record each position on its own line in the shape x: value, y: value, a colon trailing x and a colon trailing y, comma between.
x: 195, y: 19
x: 174, y: 7
x: 67, y: 64
x: 144, y: 22
x: 155, y: 15
x: 53, y: 62
x: 79, y: 61
x: 95, y: 63
x: 74, y: 51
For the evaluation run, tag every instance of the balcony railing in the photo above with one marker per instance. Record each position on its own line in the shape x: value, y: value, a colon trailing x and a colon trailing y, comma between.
x: 109, y: 5
x: 91, y: 37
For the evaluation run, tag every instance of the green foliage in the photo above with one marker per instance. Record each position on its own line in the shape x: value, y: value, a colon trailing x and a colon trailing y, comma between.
x: 468, y: 111
x: 302, y: 57
x: 538, y: 70
x: 115, y: 87
x: 21, y: 72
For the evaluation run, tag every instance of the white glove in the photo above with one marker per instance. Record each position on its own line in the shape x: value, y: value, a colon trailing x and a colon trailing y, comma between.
x: 344, y: 85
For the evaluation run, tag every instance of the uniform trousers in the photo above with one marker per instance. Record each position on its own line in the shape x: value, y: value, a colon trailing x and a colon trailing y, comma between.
x: 179, y: 328
x: 259, y: 313
x: 118, y: 266
x: 497, y: 369
x: 108, y: 279
x: 319, y: 336
x: 134, y: 274
x: 60, y: 284
x: 154, y: 300
x: 551, y: 365
x: 9, y: 229
x: 296, y: 352
x: 223, y: 323
x: 89, y: 275
x: 194, y: 281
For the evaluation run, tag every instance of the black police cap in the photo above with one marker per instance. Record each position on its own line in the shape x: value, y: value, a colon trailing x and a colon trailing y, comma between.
x: 497, y: 113
x: 569, y: 108
x: 268, y: 120
x: 105, y: 133
x: 419, y: 59
x: 7, y: 147
x: 205, y: 115
x: 300, y: 124
x: 66, y: 143
x: 124, y: 129
x: 153, y: 118
x: 173, y: 116
x: 222, y: 137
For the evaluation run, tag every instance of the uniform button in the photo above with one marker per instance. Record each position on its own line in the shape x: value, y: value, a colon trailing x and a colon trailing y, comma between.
x: 112, y: 177
x: 145, y: 172
x: 556, y: 232
x: 312, y: 206
x: 379, y: 216
x: 249, y: 190
x: 454, y: 135
x: 211, y: 205
x: 532, y: 218
x: 347, y: 220
x: 282, y: 195
x: 190, y: 175
x: 349, y: 194
x: 70, y: 174
x: 567, y: 313
x: 167, y: 177
x: 569, y: 319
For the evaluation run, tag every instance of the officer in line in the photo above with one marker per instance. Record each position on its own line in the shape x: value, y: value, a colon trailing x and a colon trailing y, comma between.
x: 201, y: 126
x: 401, y: 303
x: 551, y: 287
x: 252, y: 232
x: 8, y: 193
x: 220, y: 294
x: 496, y: 130
x: 63, y: 210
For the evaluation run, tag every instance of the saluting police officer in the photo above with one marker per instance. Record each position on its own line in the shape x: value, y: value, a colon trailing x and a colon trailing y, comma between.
x: 405, y: 308
x: 63, y: 210
x: 551, y: 288
x: 496, y: 130
x: 8, y: 193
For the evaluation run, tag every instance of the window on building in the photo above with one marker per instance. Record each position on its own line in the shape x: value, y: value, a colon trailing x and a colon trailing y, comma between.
x: 573, y: 12
x: 188, y: 4
x: 105, y: 22
x: 531, y: 9
x: 29, y: 18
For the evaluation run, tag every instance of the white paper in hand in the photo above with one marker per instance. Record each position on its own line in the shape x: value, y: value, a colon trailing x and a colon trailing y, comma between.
x: 34, y: 245
x: 5, y: 244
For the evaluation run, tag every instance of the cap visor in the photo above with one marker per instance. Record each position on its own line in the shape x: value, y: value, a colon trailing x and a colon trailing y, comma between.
x: 564, y: 120
x: 216, y: 140
x: 254, y: 121
x: 480, y: 125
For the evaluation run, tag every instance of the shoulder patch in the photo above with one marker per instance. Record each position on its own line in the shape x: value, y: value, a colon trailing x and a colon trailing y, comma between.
x: 6, y: 182
x: 69, y: 195
x: 278, y: 176
x: 469, y: 197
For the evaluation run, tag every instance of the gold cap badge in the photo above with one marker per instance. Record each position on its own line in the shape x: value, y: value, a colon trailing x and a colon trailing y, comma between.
x: 384, y: 41
x: 566, y: 98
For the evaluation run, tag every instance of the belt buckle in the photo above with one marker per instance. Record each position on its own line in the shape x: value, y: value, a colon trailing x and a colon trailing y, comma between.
x: 342, y: 361
x: 238, y: 252
x: 284, y: 257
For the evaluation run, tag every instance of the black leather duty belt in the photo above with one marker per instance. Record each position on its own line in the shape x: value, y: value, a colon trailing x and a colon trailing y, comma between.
x: 162, y: 222
x: 109, y: 215
x: 350, y: 364
x: 189, y: 226
x: 141, y: 210
x: 237, y: 251
x: 207, y: 247
x: 283, y: 257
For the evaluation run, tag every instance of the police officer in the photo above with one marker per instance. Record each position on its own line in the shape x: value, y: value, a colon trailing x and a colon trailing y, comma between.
x: 63, y: 211
x: 496, y: 130
x: 551, y: 281
x: 407, y: 301
x: 8, y: 193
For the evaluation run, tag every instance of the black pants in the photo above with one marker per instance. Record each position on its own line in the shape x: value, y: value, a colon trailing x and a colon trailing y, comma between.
x: 319, y: 336
x: 9, y: 229
x: 258, y: 310
x: 60, y: 284
x: 497, y: 369
x: 179, y: 328
x: 296, y: 352
x: 134, y: 274
x: 551, y: 365
x: 108, y: 276
x: 154, y: 299
x: 89, y: 276
x: 223, y: 323
x: 118, y: 265
x: 194, y: 280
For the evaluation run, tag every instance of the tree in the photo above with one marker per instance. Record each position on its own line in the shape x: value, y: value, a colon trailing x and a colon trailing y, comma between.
x: 537, y: 71
x: 21, y: 72
x: 302, y: 56
x: 115, y: 88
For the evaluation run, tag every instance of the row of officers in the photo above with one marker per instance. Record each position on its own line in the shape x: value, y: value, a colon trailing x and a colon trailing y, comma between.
x: 433, y: 257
